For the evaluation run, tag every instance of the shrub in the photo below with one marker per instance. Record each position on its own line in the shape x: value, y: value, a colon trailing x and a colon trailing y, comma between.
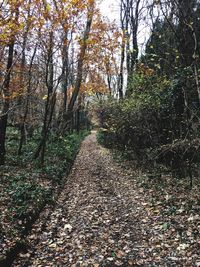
x: 151, y: 124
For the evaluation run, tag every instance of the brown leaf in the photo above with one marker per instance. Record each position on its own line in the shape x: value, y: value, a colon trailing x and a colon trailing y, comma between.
x: 119, y: 254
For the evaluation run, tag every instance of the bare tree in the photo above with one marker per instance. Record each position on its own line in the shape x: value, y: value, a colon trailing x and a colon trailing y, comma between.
x: 129, y: 18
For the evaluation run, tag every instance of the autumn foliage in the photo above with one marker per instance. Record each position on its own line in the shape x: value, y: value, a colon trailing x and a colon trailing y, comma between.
x: 52, y: 54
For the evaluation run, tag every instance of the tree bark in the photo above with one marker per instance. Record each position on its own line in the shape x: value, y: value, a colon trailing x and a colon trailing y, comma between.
x: 50, y: 102
x: 6, y: 103
x: 81, y: 58
x: 26, y: 111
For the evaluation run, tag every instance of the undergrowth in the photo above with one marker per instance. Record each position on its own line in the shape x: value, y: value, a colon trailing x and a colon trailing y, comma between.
x: 26, y: 186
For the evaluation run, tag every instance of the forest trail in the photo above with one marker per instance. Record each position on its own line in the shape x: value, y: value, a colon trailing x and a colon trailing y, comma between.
x: 98, y: 219
x: 94, y: 221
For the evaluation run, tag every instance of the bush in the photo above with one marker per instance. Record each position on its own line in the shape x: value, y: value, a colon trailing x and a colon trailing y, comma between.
x: 27, y: 198
x: 106, y: 138
x: 151, y: 124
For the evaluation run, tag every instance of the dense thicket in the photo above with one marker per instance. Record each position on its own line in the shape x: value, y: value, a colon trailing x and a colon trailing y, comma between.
x: 158, y: 121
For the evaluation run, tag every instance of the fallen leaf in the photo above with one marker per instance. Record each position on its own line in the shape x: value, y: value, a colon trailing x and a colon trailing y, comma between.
x: 68, y: 227
x: 120, y: 254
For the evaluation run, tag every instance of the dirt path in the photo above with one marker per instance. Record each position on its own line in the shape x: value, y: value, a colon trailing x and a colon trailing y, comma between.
x: 97, y: 219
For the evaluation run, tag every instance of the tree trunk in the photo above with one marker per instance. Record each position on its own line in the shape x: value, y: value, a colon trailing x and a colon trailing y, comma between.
x: 6, y: 103
x: 82, y: 53
x: 23, y: 135
x: 81, y: 58
x: 50, y: 102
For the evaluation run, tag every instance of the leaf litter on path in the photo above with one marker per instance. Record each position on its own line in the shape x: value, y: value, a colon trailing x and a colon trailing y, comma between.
x: 104, y: 218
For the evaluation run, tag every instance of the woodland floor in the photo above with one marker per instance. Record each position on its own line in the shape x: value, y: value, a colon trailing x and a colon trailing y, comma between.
x: 104, y: 217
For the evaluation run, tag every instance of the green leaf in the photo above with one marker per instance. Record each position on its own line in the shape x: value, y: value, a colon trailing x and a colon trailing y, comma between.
x: 165, y: 226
